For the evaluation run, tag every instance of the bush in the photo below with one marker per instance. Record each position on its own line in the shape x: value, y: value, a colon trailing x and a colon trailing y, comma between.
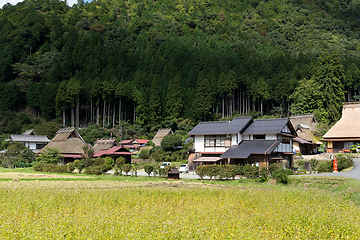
x: 70, y: 167
x: 288, y: 171
x: 126, y: 168
x: 144, y: 153
x: 93, y: 170
x: 344, y: 161
x: 225, y: 171
x: 240, y: 170
x: 39, y: 167
x: 120, y: 161
x: 313, y: 164
x: 169, y: 142
x: 264, y: 174
x: 273, y: 167
x: 200, y: 171
x: 148, y: 169
x: 325, y: 166
x: 251, y: 171
x: 281, y: 177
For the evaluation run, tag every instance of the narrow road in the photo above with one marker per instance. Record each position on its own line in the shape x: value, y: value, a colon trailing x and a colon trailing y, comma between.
x: 354, y: 173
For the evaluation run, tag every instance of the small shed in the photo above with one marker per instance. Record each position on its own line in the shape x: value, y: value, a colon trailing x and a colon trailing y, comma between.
x: 173, y: 174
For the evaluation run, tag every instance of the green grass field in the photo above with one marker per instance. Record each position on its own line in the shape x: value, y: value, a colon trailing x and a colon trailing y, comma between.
x: 52, y: 208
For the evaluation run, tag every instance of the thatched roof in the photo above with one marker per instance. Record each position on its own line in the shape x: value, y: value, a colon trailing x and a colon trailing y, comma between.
x: 161, y: 133
x: 29, y: 132
x: 306, y: 134
x: 308, y: 119
x: 103, y: 144
x: 67, y: 141
x: 348, y: 126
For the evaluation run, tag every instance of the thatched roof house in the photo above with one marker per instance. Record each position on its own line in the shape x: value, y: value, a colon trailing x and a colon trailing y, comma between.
x: 346, y: 132
x: 115, y: 152
x: 103, y: 144
x: 161, y: 133
x: 308, y: 119
x: 305, y: 142
x: 69, y: 142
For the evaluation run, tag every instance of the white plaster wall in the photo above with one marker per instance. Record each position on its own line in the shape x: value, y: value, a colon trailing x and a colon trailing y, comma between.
x: 270, y: 137
x: 233, y: 140
x: 286, y: 129
x: 245, y: 137
x: 239, y: 138
x: 32, y: 145
x: 209, y: 149
x: 199, y: 143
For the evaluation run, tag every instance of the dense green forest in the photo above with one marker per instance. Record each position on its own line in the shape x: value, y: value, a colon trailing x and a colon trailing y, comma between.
x: 145, y: 61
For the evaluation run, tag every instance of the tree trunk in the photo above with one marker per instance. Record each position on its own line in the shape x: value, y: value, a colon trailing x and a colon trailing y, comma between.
x: 64, y: 122
x: 113, y: 121
x: 108, y: 114
x: 77, y: 112
x: 119, y: 110
x: 223, y: 106
x: 261, y: 107
x: 91, y: 112
x: 72, y: 117
x: 104, y: 113
x: 97, y: 111
x: 134, y: 115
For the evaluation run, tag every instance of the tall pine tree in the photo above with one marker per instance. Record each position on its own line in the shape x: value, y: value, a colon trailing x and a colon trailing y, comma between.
x: 202, y: 99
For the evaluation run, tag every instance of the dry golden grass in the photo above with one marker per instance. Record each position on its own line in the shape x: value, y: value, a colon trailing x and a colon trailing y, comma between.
x: 170, y: 210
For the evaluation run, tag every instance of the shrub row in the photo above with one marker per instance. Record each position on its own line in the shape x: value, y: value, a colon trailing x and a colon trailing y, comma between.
x: 53, y: 168
x: 217, y: 171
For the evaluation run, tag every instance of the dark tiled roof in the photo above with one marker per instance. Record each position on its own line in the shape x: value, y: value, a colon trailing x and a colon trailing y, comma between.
x: 222, y: 127
x: 262, y: 126
x: 27, y: 138
x: 246, y: 148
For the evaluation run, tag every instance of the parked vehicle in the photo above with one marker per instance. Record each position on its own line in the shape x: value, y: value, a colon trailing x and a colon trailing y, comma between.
x: 184, y: 168
x: 164, y: 164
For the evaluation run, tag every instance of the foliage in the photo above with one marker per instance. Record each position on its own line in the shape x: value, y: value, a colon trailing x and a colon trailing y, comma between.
x: 313, y: 164
x: 148, y: 169
x: 325, y: 166
x: 251, y: 171
x: 169, y: 142
x: 281, y: 177
x: 51, y: 168
x: 144, y: 153
x: 94, y: 170
x: 70, y: 167
x: 344, y: 161
x: 17, y: 155
x: 119, y: 161
x: 273, y: 167
x: 49, y: 155
x: 126, y: 168
x: 264, y: 174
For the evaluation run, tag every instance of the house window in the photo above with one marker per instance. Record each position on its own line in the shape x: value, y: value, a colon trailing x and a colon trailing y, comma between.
x: 286, y: 141
x: 214, y: 141
x: 40, y: 145
x: 259, y: 136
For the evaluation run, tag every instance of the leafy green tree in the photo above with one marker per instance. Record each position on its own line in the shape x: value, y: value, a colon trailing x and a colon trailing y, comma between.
x: 202, y: 99
x: 49, y: 155
x: 169, y: 142
x: 261, y: 92
x: 174, y: 99
x: 308, y: 98
x: 329, y: 76
x: 154, y: 103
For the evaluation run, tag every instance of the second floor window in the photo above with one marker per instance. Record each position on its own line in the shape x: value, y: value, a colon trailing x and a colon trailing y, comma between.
x: 214, y: 141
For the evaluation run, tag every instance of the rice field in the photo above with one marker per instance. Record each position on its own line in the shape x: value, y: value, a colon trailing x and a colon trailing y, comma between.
x: 175, y: 210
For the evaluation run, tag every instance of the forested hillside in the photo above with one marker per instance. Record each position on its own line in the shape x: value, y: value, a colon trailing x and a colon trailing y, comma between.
x: 145, y: 61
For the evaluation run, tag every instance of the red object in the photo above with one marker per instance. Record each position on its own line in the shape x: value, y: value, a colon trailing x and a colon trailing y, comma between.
x: 335, y: 165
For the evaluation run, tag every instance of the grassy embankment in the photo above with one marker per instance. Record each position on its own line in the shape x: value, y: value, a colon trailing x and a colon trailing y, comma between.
x: 101, y: 208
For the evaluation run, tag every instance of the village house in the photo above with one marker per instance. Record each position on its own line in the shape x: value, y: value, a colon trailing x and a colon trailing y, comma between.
x: 103, y: 144
x: 30, y: 139
x: 346, y: 132
x: 133, y: 144
x: 115, y: 152
x: 243, y: 141
x: 69, y: 142
x: 161, y: 133
x: 305, y: 143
